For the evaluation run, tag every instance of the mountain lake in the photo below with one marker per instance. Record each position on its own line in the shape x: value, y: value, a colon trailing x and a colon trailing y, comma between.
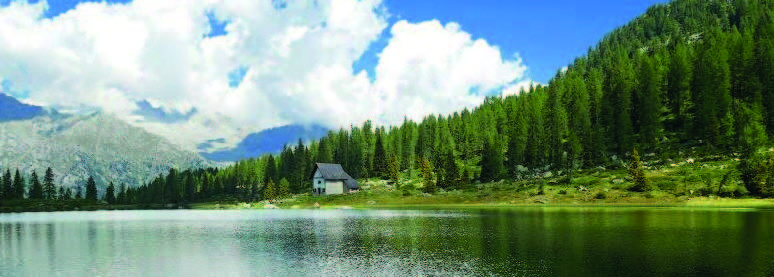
x: 521, y: 241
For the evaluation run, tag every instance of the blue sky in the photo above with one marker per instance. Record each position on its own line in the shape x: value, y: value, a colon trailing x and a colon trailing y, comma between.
x: 548, y: 34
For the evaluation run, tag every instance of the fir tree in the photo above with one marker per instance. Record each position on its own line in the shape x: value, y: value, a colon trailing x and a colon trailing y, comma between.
x: 36, y: 189
x: 18, y: 185
x: 91, y: 189
x: 110, y: 194
x: 49, y: 190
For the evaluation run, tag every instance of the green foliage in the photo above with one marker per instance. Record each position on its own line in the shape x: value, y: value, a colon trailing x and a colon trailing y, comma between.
x: 49, y: 189
x: 18, y: 186
x: 110, y: 194
x: 91, y: 189
x: 283, y: 190
x: 393, y: 168
x: 36, y: 189
x: 270, y: 192
x: 637, y: 173
x: 757, y: 173
x: 427, y: 175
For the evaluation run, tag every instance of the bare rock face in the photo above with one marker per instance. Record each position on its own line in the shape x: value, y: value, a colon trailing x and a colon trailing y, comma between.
x: 98, y: 145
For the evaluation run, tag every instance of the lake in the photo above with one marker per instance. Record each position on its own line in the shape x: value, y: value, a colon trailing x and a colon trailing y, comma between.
x: 530, y: 241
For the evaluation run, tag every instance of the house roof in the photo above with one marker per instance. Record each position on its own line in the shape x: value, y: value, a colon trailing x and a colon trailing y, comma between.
x: 334, y: 172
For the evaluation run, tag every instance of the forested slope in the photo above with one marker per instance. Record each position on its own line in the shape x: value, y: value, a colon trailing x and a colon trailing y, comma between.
x: 689, y: 78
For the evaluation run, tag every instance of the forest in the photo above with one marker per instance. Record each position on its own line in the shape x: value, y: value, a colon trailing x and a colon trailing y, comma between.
x: 687, y: 79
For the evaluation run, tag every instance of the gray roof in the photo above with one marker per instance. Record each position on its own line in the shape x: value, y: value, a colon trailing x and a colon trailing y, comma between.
x: 334, y: 172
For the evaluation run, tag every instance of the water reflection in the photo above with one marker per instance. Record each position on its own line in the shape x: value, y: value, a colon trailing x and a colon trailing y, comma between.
x: 526, y: 241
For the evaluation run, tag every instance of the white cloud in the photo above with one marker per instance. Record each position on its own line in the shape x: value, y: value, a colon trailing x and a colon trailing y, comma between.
x: 298, y: 63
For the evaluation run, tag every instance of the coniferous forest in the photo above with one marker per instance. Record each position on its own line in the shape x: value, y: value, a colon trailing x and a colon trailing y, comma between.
x: 688, y: 79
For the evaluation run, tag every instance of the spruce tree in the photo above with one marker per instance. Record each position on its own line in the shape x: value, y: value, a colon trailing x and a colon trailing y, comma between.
x: 393, y: 168
x: 283, y: 190
x: 91, y: 189
x: 18, y: 185
x: 49, y: 190
x: 380, y: 157
x: 7, y: 185
x: 427, y: 175
x: 110, y: 194
x: 121, y: 197
x: 36, y: 189
x: 649, y: 102
x: 270, y: 191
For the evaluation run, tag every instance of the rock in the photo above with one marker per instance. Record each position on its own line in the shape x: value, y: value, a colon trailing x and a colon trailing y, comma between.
x: 270, y: 206
x: 371, y: 202
x: 316, y: 205
x: 345, y: 207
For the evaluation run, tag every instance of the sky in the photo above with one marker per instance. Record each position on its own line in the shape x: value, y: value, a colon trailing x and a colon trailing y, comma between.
x: 198, y: 70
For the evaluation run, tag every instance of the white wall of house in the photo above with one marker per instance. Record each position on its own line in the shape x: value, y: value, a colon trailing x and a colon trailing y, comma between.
x: 334, y: 187
x: 318, y: 183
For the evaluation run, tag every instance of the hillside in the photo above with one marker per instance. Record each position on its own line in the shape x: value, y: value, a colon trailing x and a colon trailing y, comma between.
x: 687, y: 79
x: 98, y: 144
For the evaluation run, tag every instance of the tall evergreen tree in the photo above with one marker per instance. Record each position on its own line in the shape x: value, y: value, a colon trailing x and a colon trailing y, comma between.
x: 7, y: 186
x: 49, y: 190
x: 121, y: 196
x: 110, y: 194
x: 91, y: 189
x: 649, y: 101
x: 18, y: 185
x: 36, y: 189
x: 380, y: 157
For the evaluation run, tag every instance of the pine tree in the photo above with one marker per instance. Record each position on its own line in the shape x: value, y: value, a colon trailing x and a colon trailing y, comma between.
x: 638, y: 174
x: 427, y: 175
x: 649, y: 102
x: 121, y: 197
x: 619, y: 87
x: 36, y: 189
x: 91, y: 189
x: 18, y: 186
x: 393, y: 168
x: 49, y: 190
x: 78, y: 192
x: 380, y: 157
x: 269, y: 192
x: 679, y: 89
x: 62, y: 194
x: 8, y: 192
x: 110, y: 194
x: 190, y: 187
x: 283, y: 190
x: 172, y: 187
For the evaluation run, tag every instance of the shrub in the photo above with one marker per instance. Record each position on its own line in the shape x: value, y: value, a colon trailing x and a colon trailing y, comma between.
x: 638, y: 174
x: 757, y: 173
x: 600, y: 195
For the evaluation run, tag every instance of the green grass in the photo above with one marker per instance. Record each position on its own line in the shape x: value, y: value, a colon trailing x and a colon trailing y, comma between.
x: 675, y: 184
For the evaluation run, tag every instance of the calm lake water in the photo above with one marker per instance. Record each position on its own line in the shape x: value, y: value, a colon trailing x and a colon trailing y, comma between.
x: 511, y: 242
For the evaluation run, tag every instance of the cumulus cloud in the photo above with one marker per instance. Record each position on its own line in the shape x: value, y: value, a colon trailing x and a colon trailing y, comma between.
x: 294, y: 62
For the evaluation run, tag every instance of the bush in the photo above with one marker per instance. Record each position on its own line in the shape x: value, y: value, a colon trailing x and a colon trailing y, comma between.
x: 638, y: 174
x: 757, y: 173
x: 600, y: 195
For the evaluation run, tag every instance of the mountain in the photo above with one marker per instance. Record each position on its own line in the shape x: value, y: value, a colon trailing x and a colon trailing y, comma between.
x: 267, y: 141
x: 97, y: 144
x: 12, y: 109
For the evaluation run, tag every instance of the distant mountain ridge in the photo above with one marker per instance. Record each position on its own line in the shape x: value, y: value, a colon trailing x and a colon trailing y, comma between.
x: 79, y: 146
x: 12, y: 109
x: 267, y: 141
